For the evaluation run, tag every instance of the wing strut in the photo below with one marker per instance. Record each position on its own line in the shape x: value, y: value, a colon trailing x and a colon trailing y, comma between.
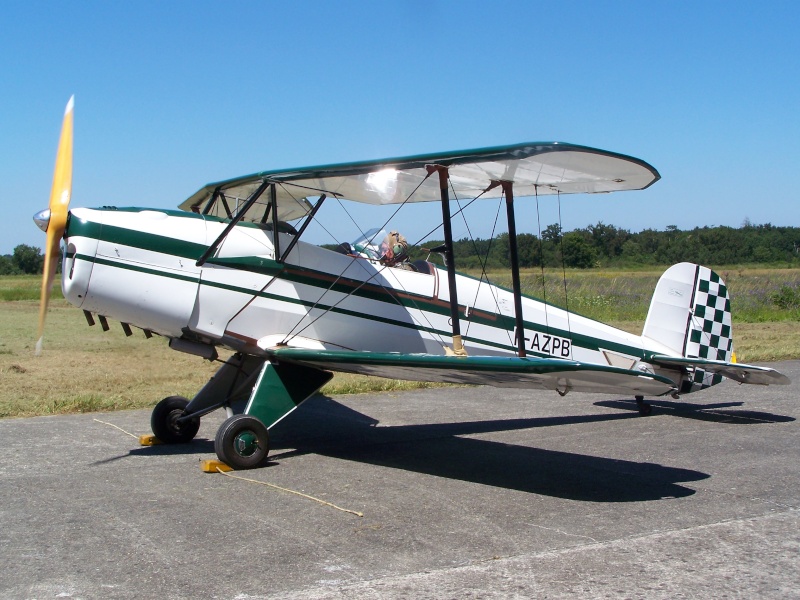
x: 273, y: 200
x: 239, y: 216
x: 508, y: 190
x: 458, y: 345
x: 210, y: 204
x: 306, y: 223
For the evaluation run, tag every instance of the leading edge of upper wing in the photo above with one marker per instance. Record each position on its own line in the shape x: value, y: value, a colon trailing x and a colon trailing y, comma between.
x: 535, y: 168
x: 498, y: 371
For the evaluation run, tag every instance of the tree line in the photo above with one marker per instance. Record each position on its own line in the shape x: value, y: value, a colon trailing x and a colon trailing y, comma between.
x: 24, y: 260
x: 598, y: 245
x: 604, y: 245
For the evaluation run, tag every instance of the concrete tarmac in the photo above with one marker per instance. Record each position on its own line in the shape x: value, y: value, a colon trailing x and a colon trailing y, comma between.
x: 465, y: 492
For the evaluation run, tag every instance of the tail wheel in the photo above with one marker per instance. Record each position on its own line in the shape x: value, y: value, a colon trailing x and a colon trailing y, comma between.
x: 645, y: 409
x: 242, y: 442
x: 165, y: 424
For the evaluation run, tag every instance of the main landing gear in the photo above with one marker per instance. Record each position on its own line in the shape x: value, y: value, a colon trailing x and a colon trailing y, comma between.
x: 242, y: 441
x: 645, y: 409
x: 263, y: 391
x: 167, y: 422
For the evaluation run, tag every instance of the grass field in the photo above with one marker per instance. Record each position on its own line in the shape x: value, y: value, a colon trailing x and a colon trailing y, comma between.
x: 614, y: 295
x: 84, y: 369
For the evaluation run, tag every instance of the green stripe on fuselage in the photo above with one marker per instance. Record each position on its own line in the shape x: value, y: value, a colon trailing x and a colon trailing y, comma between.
x: 136, y: 239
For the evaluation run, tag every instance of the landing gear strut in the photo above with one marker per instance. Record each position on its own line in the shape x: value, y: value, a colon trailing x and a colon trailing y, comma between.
x: 644, y: 408
x: 270, y: 390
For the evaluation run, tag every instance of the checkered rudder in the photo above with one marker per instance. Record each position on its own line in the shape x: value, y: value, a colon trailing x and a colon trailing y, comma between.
x: 709, y: 327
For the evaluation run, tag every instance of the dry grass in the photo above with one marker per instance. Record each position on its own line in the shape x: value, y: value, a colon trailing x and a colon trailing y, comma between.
x: 756, y: 342
x: 84, y: 369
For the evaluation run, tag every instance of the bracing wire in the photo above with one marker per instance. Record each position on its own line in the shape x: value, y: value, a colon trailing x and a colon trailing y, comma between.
x: 563, y: 267
x: 388, y: 290
x: 484, y: 274
x: 291, y: 333
x: 271, y: 281
x: 352, y: 260
x: 362, y: 284
x: 541, y: 260
x: 458, y: 212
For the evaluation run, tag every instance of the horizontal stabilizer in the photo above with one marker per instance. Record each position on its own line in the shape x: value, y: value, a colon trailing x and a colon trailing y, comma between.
x: 498, y: 371
x: 736, y: 371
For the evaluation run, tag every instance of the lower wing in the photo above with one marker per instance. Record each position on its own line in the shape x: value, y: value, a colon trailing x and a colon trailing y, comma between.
x: 499, y: 371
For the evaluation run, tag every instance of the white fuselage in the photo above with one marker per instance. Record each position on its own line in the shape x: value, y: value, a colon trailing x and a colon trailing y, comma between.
x: 139, y: 267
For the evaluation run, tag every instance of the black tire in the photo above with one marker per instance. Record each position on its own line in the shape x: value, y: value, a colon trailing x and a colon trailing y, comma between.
x: 164, y: 422
x: 242, y: 442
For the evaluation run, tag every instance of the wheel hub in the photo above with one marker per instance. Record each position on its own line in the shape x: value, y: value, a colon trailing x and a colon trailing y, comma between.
x: 173, y: 422
x: 246, y: 443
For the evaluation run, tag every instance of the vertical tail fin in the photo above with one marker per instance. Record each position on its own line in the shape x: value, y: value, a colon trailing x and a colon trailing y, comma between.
x: 690, y: 315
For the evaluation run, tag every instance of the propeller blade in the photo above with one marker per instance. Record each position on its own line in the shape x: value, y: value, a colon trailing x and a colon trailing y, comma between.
x: 59, y: 209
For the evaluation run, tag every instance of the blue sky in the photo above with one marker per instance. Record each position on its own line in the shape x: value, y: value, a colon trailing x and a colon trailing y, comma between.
x: 173, y: 95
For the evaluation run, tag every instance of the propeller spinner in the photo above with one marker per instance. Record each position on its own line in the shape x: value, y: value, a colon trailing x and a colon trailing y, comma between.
x: 54, y: 219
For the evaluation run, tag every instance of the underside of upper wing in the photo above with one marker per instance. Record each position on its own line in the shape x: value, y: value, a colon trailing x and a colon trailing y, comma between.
x: 498, y: 371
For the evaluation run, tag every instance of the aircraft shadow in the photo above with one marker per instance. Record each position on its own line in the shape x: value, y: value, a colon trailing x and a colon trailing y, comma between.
x: 716, y: 413
x: 325, y: 427
x: 328, y: 428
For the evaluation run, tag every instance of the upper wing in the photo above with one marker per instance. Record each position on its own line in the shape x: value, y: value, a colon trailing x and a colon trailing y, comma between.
x: 736, y: 371
x: 499, y: 371
x: 534, y: 168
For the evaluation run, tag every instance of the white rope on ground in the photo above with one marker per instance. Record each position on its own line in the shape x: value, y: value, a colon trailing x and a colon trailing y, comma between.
x: 115, y: 427
x: 277, y: 487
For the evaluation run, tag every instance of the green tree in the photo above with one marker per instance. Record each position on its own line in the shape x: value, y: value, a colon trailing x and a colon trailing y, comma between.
x: 607, y: 239
x: 7, y: 266
x: 528, y: 250
x: 28, y: 259
x: 552, y: 233
x: 577, y: 251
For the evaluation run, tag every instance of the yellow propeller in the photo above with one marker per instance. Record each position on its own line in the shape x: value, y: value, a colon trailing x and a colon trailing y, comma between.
x: 56, y: 221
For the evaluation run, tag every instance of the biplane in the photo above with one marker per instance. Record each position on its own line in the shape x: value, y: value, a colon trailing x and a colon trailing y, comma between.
x: 230, y: 270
